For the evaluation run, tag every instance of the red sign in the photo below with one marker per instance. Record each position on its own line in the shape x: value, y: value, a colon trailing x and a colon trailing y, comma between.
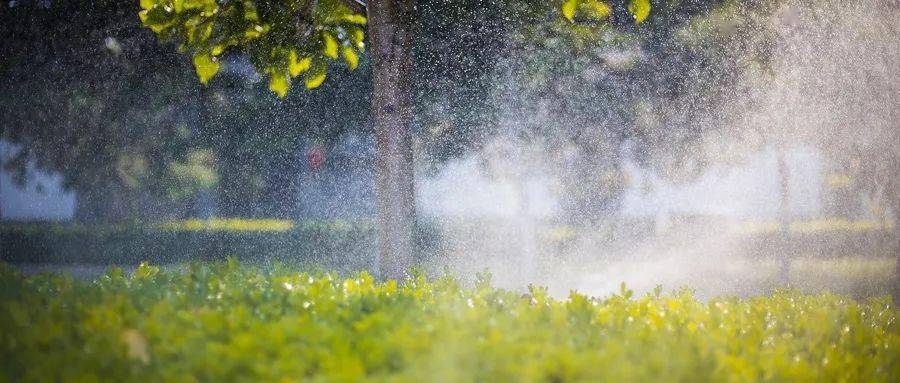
x: 316, y: 158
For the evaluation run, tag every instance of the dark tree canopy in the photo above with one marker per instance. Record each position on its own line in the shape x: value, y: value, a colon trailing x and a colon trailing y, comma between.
x: 89, y: 94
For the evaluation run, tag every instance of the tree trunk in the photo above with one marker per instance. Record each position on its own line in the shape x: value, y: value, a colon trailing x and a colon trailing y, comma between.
x: 783, y: 217
x: 103, y: 203
x: 390, y: 33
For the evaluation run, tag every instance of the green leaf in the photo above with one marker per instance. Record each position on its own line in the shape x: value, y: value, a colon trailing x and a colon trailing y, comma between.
x: 206, y: 65
x: 355, y: 18
x: 316, y: 76
x: 295, y: 66
x: 350, y: 57
x: 147, y: 4
x: 157, y: 19
x: 568, y: 9
x: 331, y: 45
x: 279, y: 84
x: 640, y: 9
x: 358, y: 37
x: 596, y: 9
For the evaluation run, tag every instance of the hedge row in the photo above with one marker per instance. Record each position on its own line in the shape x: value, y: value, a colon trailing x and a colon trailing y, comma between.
x: 229, y: 323
x: 348, y: 246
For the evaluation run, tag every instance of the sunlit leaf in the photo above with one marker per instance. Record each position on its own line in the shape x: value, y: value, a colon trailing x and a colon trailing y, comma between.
x: 295, y: 66
x: 136, y: 345
x: 358, y: 37
x: 206, y: 65
x: 350, y: 57
x: 331, y: 45
x: 355, y: 18
x: 315, y: 77
x: 640, y: 9
x: 279, y: 84
x: 568, y: 9
x: 254, y: 32
x: 250, y: 13
x: 595, y: 9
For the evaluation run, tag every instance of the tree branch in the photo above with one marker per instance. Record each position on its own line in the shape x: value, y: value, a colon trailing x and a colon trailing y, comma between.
x: 358, y: 6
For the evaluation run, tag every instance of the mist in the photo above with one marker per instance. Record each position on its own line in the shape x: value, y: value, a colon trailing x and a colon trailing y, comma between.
x: 576, y: 158
x: 830, y: 85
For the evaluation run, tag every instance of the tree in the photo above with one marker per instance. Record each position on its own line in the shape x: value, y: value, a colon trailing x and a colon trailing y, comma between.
x: 833, y: 84
x: 816, y: 73
x: 287, y: 39
x: 588, y: 90
x: 260, y: 140
x: 87, y: 93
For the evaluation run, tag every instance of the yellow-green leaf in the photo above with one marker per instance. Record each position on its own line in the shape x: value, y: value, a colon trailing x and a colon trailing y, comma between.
x: 640, y: 9
x: 596, y: 9
x: 147, y: 4
x: 350, y: 57
x: 279, y: 84
x: 355, y: 18
x: 206, y: 65
x: 136, y: 345
x: 256, y: 31
x: 250, y: 13
x: 297, y: 66
x: 568, y: 9
x: 357, y: 36
x: 315, y: 77
x: 331, y: 45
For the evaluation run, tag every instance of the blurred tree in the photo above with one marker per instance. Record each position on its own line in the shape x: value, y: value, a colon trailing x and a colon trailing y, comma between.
x: 602, y: 93
x: 456, y: 46
x: 288, y: 39
x: 835, y: 65
x: 100, y: 101
x: 260, y: 139
x: 87, y: 93
x: 818, y: 73
x: 293, y: 38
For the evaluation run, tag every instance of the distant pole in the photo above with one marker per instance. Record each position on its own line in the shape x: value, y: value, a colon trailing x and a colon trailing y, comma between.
x: 893, y: 195
x: 783, y: 218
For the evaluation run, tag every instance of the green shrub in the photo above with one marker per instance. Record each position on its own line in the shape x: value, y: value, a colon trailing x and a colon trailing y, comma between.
x: 327, y: 244
x: 225, y: 322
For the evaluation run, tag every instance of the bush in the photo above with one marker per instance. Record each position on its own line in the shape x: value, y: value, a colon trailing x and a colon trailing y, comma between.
x: 331, y: 244
x: 225, y: 322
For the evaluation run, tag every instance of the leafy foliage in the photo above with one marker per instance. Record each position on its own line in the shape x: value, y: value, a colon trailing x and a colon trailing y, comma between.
x: 594, y: 10
x: 590, y: 9
x: 226, y: 322
x: 90, y: 94
x: 285, y: 39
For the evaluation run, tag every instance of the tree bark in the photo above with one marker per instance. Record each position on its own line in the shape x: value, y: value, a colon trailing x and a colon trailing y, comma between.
x: 390, y: 34
x: 104, y: 203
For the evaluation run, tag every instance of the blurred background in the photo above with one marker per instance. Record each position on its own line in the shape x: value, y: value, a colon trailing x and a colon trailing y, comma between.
x: 732, y: 146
